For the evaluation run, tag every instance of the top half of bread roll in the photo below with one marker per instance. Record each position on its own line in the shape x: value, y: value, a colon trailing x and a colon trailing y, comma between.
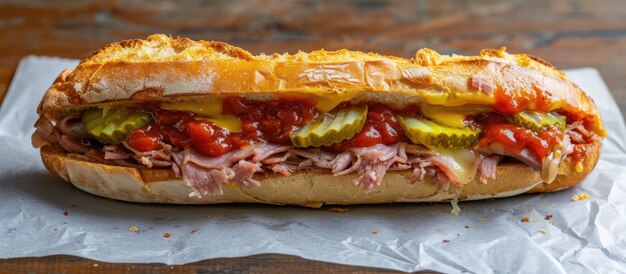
x: 165, y: 68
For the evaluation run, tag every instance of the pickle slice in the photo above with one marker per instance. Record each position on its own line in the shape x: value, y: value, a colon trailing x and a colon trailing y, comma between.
x: 428, y: 133
x: 334, y: 128
x: 539, y: 121
x: 113, y: 126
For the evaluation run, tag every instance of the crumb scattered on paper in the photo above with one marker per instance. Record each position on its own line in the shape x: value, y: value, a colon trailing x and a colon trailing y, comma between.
x: 543, y: 230
x: 167, y: 235
x: 195, y: 229
x: 525, y: 219
x: 482, y: 219
x: 548, y: 217
x: 338, y: 209
x: 66, y: 213
x: 133, y: 228
x: 376, y: 231
x: 580, y: 197
x: 446, y: 241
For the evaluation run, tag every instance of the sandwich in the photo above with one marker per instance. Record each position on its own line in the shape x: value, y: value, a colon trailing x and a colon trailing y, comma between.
x: 172, y: 120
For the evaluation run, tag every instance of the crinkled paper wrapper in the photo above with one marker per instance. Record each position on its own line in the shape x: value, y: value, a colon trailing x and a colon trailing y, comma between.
x: 42, y: 215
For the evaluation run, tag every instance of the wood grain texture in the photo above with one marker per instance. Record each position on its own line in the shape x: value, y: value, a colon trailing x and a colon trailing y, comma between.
x: 575, y: 33
x: 268, y: 263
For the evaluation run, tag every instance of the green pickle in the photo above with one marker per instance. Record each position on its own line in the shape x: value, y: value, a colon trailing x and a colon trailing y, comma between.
x: 334, y: 128
x: 539, y: 121
x: 429, y: 133
x: 113, y: 126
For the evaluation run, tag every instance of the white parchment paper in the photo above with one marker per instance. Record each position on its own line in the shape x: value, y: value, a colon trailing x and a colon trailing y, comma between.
x: 487, y: 237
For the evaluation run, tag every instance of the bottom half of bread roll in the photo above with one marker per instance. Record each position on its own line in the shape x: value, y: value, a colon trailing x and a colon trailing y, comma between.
x: 308, y: 188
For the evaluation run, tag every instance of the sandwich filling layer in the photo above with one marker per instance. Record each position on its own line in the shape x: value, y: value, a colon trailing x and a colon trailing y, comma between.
x: 211, y: 143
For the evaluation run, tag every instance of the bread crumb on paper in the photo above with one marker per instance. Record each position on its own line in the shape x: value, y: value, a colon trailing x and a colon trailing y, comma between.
x: 338, y: 209
x: 376, y: 231
x: 543, y: 230
x: 548, y: 217
x: 446, y: 241
x: 167, y: 235
x: 580, y: 197
x: 133, y: 228
x: 195, y: 229
x: 525, y: 219
x: 482, y: 219
x: 66, y: 213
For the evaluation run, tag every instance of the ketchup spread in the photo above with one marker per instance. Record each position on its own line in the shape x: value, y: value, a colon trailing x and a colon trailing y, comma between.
x: 145, y: 138
x: 270, y: 121
x: 509, y: 102
x: 579, y: 153
x: 515, y: 138
x: 381, y: 127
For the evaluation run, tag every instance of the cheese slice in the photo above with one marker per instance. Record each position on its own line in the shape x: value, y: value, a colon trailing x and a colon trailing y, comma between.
x: 327, y: 102
x: 452, y: 116
x: 229, y: 122
x: 464, y: 162
x: 205, y: 107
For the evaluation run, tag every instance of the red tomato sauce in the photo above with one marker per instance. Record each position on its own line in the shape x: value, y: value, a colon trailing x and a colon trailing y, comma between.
x: 515, y: 138
x: 270, y: 121
x: 580, y: 151
x: 509, y: 102
x: 381, y: 127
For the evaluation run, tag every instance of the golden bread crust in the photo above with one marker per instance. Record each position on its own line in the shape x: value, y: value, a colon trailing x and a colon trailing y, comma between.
x: 305, y: 188
x: 165, y: 67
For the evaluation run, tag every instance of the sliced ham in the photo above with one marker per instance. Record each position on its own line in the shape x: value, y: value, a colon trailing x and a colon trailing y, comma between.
x: 73, y: 126
x: 524, y: 155
x: 46, y: 130
x: 488, y: 167
x: 243, y: 172
x: 73, y: 145
x: 445, y: 172
x: 112, y: 152
x: 372, y: 164
x: 39, y: 140
x: 263, y: 151
x: 282, y: 169
x: 341, y: 162
x: 225, y: 160
x: 277, y: 158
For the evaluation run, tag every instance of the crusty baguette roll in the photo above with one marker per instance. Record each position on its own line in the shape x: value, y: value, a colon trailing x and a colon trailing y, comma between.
x: 166, y: 69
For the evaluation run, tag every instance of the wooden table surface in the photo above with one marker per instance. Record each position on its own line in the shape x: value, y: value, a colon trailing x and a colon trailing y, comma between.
x: 569, y: 34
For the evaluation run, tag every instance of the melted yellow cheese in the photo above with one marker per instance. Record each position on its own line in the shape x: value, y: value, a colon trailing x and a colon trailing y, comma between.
x: 451, y: 116
x: 229, y: 122
x: 458, y: 99
x: 208, y: 107
x: 463, y: 162
x: 327, y: 102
